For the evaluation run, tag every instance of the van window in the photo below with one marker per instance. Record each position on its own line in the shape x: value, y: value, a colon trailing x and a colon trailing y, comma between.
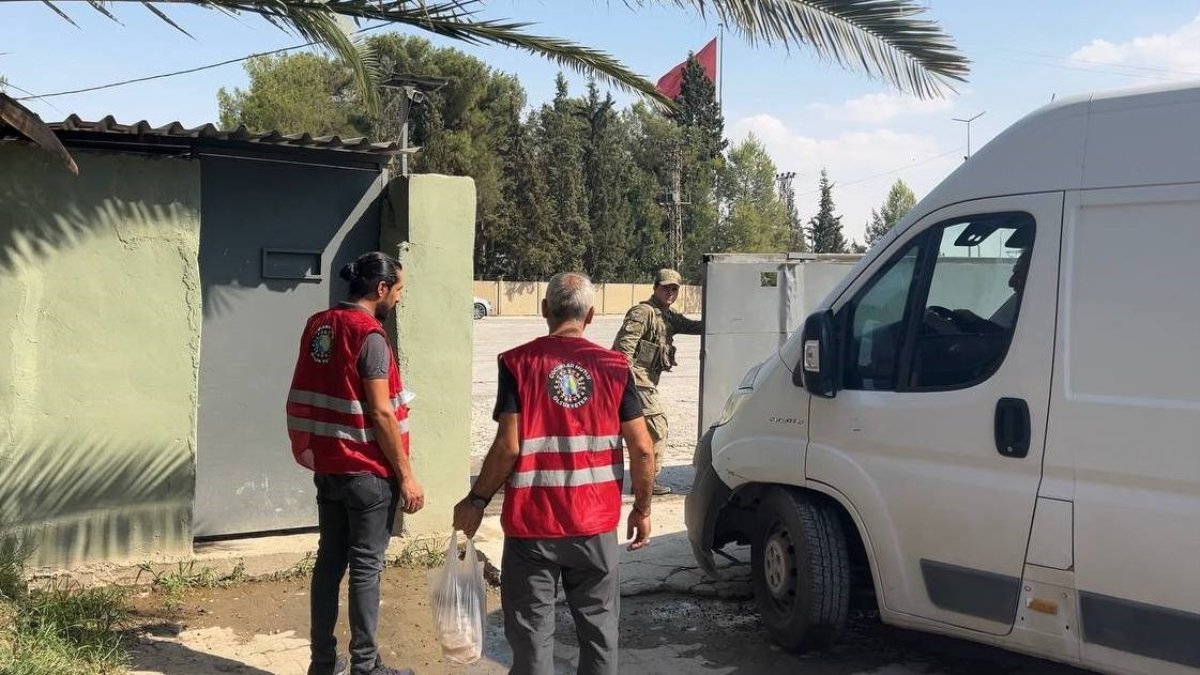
x: 964, y: 278
x: 877, y: 326
x: 974, y: 295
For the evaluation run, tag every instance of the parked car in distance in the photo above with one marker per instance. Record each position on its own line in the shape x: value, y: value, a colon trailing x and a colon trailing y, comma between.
x: 482, y: 308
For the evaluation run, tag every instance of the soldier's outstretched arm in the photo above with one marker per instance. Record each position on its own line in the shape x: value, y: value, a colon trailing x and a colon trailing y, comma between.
x: 687, y: 326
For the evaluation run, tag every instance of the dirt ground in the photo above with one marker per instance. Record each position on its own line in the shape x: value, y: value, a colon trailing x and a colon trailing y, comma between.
x: 262, y: 627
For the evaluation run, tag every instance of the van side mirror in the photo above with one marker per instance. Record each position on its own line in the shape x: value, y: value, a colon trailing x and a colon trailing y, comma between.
x: 818, y: 362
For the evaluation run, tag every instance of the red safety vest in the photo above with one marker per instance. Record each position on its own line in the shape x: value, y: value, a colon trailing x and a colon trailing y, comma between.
x: 326, y: 407
x: 567, y: 480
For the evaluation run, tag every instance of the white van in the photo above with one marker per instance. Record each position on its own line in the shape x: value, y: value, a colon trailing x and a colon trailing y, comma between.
x: 993, y: 422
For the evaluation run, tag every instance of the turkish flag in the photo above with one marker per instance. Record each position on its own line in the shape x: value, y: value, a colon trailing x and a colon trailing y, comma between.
x: 671, y: 83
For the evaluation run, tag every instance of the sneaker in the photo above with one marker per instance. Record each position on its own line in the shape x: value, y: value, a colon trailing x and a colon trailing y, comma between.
x: 381, y: 669
x: 340, y: 667
x: 660, y: 489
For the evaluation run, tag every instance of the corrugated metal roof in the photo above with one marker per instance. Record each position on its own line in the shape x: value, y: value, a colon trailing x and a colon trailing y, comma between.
x: 108, y: 129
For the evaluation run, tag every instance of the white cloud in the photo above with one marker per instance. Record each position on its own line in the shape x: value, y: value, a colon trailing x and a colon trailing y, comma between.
x: 1175, y: 55
x: 881, y: 108
x: 879, y: 155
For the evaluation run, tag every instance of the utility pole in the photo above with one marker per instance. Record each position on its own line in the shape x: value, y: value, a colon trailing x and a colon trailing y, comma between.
x: 968, y: 123
x: 787, y: 195
x: 721, y: 68
x: 676, y: 207
x: 672, y: 200
x: 414, y: 90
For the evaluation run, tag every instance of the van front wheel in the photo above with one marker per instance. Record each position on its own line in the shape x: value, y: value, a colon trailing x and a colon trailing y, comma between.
x: 801, y: 570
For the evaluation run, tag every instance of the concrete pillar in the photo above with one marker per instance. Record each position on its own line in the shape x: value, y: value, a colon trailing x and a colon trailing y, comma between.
x: 429, y: 224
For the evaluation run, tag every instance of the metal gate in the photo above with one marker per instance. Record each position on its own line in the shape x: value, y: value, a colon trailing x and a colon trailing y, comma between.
x: 273, y: 236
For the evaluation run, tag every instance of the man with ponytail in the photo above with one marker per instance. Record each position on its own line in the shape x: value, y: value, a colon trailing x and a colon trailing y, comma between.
x: 347, y: 417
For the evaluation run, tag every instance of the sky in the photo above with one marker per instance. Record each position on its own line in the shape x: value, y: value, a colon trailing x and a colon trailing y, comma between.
x: 808, y: 113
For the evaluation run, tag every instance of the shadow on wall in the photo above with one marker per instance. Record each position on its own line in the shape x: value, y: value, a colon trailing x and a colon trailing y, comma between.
x: 283, y: 228
x: 27, y: 241
x: 139, y: 198
x: 95, y: 498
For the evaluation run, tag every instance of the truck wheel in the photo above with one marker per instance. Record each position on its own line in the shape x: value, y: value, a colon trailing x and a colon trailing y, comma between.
x: 801, y: 570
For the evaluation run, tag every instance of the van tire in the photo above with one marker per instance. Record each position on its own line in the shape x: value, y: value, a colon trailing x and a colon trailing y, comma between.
x: 801, y: 570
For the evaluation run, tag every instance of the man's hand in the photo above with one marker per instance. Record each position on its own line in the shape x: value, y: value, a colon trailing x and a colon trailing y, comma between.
x: 412, y: 494
x: 639, y: 529
x: 467, y: 517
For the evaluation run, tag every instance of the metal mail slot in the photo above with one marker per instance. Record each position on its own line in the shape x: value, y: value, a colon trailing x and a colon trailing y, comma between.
x: 295, y: 264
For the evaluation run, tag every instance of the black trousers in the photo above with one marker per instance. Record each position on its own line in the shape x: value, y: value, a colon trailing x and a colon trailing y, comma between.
x: 355, y: 514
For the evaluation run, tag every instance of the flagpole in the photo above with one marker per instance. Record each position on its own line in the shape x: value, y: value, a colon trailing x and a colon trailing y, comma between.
x: 721, y: 68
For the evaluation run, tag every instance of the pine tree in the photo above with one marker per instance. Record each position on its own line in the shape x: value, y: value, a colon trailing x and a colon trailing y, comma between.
x: 650, y: 140
x: 528, y: 248
x: 900, y: 200
x: 561, y: 138
x: 607, y: 170
x: 825, y: 229
x: 756, y: 219
x: 700, y: 110
x: 702, y: 144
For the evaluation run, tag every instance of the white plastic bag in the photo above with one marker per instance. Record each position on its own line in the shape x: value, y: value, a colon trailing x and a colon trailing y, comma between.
x: 459, y: 603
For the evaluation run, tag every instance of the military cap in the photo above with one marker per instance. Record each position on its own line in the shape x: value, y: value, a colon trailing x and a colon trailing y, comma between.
x: 666, y: 277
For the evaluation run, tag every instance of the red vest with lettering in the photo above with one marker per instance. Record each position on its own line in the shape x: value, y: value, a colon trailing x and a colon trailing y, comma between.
x: 567, y: 480
x: 327, y: 403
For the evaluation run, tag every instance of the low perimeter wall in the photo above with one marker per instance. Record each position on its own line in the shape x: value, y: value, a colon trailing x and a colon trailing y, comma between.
x: 524, y: 298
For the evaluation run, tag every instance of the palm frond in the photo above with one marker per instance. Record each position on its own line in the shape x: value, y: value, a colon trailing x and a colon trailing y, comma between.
x: 29, y: 125
x: 884, y: 38
x: 59, y: 12
x: 160, y: 14
x: 563, y: 52
x: 456, y: 19
x: 98, y: 5
x: 314, y: 22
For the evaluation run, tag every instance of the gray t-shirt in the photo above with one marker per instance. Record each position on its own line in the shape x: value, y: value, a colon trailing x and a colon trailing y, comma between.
x: 374, y: 358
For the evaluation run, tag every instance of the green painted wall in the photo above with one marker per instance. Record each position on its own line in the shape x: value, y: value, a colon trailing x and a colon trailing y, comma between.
x: 430, y: 225
x: 99, y: 342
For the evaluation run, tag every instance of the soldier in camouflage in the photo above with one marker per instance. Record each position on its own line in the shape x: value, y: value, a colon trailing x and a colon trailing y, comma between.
x: 647, y: 340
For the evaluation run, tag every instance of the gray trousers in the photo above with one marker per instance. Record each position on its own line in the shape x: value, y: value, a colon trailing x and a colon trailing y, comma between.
x: 588, y: 568
x: 355, y: 514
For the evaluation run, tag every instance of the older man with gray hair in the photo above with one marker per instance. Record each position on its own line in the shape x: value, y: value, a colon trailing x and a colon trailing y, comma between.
x: 565, y: 408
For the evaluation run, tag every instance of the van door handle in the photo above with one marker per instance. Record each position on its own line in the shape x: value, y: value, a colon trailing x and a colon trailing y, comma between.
x: 1013, y: 429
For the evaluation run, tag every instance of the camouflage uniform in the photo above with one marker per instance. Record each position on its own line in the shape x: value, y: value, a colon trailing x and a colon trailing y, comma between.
x: 647, y: 340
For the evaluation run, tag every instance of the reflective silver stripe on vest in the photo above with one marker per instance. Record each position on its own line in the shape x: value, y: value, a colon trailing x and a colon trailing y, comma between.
x: 334, y: 403
x: 570, y: 444
x: 339, y: 431
x: 567, y: 477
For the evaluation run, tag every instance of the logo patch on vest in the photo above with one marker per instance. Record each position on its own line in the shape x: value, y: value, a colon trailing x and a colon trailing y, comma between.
x: 321, y: 346
x: 570, y: 385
